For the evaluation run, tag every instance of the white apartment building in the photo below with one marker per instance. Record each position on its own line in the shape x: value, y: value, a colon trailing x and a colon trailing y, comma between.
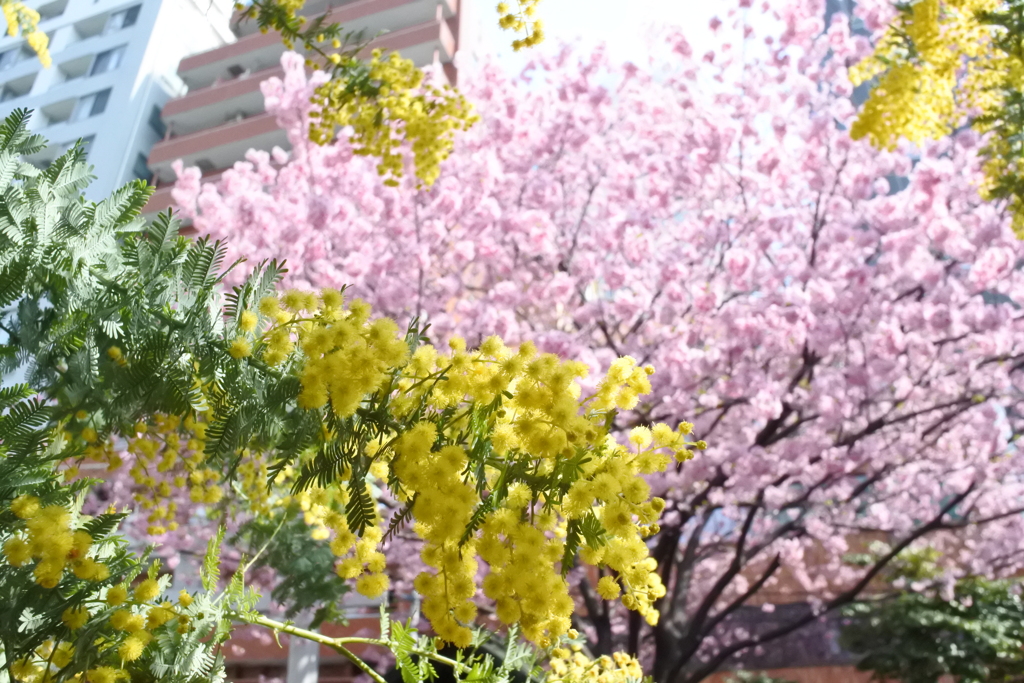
x: 114, y: 68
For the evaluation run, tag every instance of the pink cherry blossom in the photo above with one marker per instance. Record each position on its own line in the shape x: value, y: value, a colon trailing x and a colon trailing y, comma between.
x: 851, y: 354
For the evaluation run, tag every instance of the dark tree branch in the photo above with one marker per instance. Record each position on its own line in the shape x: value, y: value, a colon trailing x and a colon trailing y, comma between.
x: 693, y: 635
x: 843, y: 598
x: 739, y: 601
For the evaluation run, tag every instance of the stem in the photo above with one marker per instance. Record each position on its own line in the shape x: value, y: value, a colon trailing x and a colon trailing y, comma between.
x: 266, y: 545
x: 459, y: 666
x: 338, y: 644
x: 335, y: 644
x: 363, y: 666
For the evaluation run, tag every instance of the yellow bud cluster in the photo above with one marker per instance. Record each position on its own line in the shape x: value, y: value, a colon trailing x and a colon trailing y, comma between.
x: 106, y: 674
x: 521, y: 20
x: 541, y: 423
x: 168, y: 458
x: 507, y: 472
x: 50, y: 660
x: 403, y: 110
x: 21, y: 18
x: 937, y: 63
x: 49, y: 540
x: 575, y: 667
x: 938, y: 66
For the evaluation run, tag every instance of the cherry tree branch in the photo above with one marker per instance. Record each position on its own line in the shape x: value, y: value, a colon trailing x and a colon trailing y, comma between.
x: 840, y: 600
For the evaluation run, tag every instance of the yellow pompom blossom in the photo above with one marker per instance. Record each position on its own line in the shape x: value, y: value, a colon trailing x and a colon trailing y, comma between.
x: 62, y: 655
x: 18, y: 552
x: 147, y: 590
x: 48, y: 540
x: 941, y: 65
x: 521, y: 19
x: 608, y: 588
x: 575, y: 667
x: 131, y: 647
x: 75, y: 617
x: 247, y: 321
x: 25, y: 506
x: 106, y: 674
x: 25, y: 670
x: 21, y: 18
x: 403, y: 109
x: 240, y: 348
x: 117, y: 595
x: 126, y: 620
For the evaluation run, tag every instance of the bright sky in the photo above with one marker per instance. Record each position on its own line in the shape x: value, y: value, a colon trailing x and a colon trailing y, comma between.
x: 622, y: 24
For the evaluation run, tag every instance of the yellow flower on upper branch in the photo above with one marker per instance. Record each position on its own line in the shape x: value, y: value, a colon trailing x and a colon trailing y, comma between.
x: 21, y: 18
x: 940, y: 65
x: 75, y: 617
x: 403, y: 110
x: 521, y: 20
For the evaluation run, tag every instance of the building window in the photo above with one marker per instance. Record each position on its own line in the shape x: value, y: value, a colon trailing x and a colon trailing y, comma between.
x: 108, y: 60
x: 17, y: 87
x: 92, y: 105
x: 157, y: 123
x: 53, y: 9
x: 141, y: 168
x: 124, y: 18
x: 8, y: 59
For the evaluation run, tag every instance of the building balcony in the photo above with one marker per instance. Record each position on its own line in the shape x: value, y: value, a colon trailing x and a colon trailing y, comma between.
x: 216, y: 148
x: 211, y: 107
x: 255, y: 51
x: 211, y: 143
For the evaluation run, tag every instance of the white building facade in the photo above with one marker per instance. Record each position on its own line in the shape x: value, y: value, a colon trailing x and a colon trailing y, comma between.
x: 114, y: 68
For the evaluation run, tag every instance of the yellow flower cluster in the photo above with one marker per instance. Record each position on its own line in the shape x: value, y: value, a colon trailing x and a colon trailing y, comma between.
x: 552, y: 463
x: 938, y: 66
x: 50, y: 659
x: 540, y: 428
x: 402, y: 110
x: 935, y: 64
x: 130, y: 632
x: 521, y: 19
x: 106, y: 674
x: 49, y: 540
x: 507, y: 470
x: 168, y: 457
x: 360, y: 557
x: 170, y: 460
x: 575, y: 667
x: 22, y: 18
